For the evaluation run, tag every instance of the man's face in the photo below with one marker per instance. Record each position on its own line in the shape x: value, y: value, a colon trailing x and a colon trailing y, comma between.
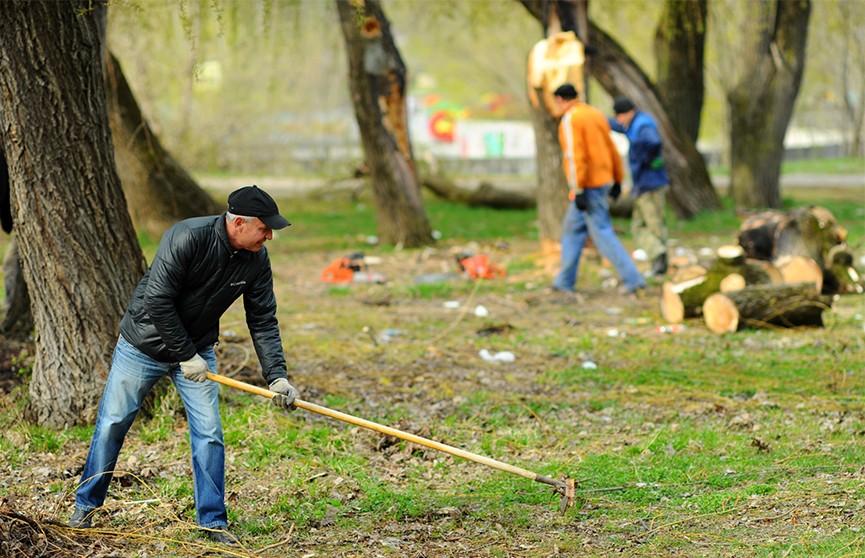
x: 625, y: 118
x: 250, y: 236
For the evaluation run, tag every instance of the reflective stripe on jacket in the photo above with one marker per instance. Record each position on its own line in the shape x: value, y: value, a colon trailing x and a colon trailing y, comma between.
x: 590, y: 158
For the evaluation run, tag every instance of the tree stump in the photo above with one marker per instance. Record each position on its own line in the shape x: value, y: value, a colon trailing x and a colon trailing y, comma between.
x: 684, y: 299
x: 786, y: 305
x: 766, y: 268
x: 802, y: 231
x: 732, y: 282
x: 799, y: 269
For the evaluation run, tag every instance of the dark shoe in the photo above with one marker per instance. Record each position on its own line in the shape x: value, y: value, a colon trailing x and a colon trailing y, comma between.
x: 222, y: 536
x: 659, y: 265
x: 81, y: 519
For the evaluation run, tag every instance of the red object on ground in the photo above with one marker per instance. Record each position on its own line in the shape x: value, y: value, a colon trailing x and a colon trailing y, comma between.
x: 478, y: 266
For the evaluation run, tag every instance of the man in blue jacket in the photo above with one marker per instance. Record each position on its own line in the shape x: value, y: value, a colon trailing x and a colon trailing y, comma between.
x: 202, y: 265
x: 650, y: 181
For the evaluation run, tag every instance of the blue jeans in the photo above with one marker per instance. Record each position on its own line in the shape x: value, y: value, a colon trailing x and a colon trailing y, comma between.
x: 132, y: 376
x: 595, y: 221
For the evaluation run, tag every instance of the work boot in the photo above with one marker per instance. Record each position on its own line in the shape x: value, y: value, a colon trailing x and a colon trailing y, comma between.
x: 659, y: 265
x: 222, y: 536
x: 81, y: 519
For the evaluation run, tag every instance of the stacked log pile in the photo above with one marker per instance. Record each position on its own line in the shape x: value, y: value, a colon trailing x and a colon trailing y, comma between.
x: 784, y: 272
x: 802, y: 243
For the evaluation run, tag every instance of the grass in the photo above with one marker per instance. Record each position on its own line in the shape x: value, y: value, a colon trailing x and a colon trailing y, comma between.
x: 839, y: 165
x: 686, y: 444
x: 833, y: 165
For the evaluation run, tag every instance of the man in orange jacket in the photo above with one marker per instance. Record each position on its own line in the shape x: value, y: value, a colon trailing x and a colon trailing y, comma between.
x: 592, y: 164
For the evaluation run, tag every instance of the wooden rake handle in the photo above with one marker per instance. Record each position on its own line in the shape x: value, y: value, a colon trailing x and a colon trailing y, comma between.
x: 563, y: 487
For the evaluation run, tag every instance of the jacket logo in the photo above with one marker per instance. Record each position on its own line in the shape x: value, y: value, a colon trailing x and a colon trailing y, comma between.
x: 238, y: 283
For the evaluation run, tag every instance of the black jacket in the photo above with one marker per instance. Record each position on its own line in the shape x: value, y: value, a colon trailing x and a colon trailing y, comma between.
x: 193, y: 279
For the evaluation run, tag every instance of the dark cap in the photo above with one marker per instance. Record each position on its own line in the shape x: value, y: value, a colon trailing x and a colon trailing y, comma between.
x: 251, y: 201
x: 622, y: 104
x: 566, y: 91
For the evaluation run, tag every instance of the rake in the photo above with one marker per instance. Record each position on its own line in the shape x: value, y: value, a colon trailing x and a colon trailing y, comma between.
x: 565, y: 487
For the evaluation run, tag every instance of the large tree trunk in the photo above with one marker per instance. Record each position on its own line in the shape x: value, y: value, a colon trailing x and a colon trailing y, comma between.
x: 552, y: 191
x: 691, y: 189
x: 679, y: 45
x: 158, y: 190
x: 853, y: 52
x: 555, y: 17
x: 762, y: 102
x: 80, y: 255
x: 377, y: 79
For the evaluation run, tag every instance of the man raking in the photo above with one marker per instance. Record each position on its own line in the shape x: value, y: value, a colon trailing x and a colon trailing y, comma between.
x: 202, y: 265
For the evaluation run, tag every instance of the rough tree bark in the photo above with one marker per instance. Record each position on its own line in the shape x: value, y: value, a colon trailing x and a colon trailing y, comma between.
x: 761, y: 103
x: 680, y: 41
x: 159, y: 192
x: 377, y: 80
x: 691, y: 189
x: 80, y: 255
x: 552, y: 191
x: 555, y: 16
x: 787, y: 305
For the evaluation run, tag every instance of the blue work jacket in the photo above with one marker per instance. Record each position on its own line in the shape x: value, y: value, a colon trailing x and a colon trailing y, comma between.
x: 645, y: 149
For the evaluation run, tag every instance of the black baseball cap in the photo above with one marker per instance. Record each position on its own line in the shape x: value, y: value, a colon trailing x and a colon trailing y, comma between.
x: 252, y: 201
x: 566, y: 91
x: 622, y: 104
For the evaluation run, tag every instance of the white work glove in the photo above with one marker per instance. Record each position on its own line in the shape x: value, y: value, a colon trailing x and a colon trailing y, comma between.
x: 194, y: 369
x: 285, y: 394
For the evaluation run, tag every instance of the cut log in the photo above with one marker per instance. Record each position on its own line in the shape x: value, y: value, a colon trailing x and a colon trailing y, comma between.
x: 684, y: 300
x: 680, y: 260
x: 761, y: 269
x: 732, y: 282
x: 689, y: 272
x: 786, y: 305
x: 798, y: 269
x: 812, y: 233
x: 672, y: 308
x: 731, y: 254
x: 841, y: 272
x: 731, y: 260
x: 803, y: 231
x: 693, y: 285
x: 720, y: 314
x: 757, y: 234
